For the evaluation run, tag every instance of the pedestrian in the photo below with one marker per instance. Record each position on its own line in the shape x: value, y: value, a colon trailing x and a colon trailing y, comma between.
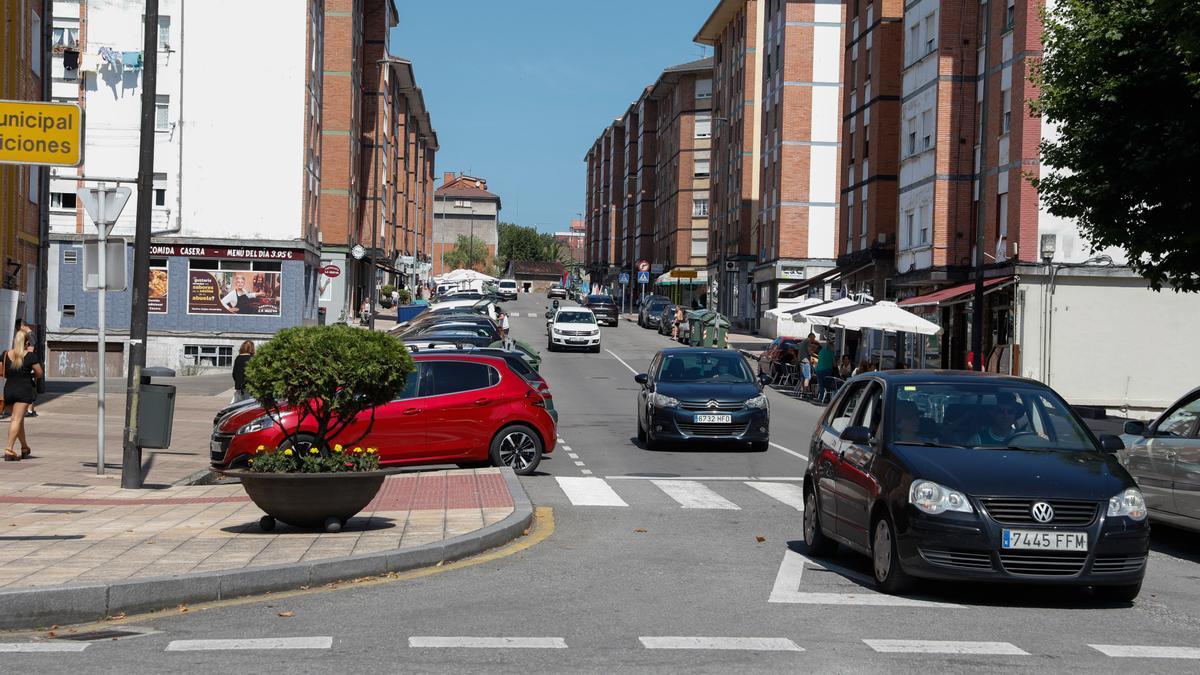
x: 810, y: 346
x: 825, y: 365
x: 503, y: 326
x: 678, y: 322
x: 35, y: 345
x: 806, y: 374
x: 365, y: 312
x: 395, y: 297
x: 21, y: 367
x: 845, y: 367
x: 864, y: 366
x: 239, y: 371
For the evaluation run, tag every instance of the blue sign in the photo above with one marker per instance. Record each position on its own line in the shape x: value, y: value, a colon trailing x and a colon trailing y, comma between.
x: 643, y: 277
x: 624, y: 278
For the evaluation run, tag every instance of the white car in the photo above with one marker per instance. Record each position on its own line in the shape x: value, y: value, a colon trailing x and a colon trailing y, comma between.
x: 507, y: 289
x: 573, y: 327
x: 485, y: 306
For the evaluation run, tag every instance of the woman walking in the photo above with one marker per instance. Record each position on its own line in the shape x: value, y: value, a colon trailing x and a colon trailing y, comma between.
x: 21, y: 367
x: 239, y: 371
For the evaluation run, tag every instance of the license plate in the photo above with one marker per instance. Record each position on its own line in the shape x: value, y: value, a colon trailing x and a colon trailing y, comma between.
x: 215, y: 450
x: 1045, y: 541
x: 714, y: 419
x: 577, y: 342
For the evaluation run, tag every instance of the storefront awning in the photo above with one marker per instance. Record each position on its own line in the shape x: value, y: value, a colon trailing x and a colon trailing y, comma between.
x: 948, y: 296
x: 798, y: 289
x: 665, y: 279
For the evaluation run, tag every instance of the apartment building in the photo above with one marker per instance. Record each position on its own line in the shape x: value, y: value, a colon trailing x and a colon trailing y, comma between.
x: 573, y: 240
x: 605, y: 177
x: 23, y: 77
x: 462, y: 206
x: 636, y: 213
x: 235, y: 253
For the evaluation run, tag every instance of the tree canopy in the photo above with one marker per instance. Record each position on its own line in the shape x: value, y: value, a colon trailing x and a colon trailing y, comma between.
x: 468, y: 253
x: 1120, y: 80
x: 520, y: 242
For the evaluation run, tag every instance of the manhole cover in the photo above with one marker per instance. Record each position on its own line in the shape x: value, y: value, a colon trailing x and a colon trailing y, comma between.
x: 653, y: 475
x: 110, y: 634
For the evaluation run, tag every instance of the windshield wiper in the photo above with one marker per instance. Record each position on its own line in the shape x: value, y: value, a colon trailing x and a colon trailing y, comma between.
x: 931, y: 444
x: 1023, y: 448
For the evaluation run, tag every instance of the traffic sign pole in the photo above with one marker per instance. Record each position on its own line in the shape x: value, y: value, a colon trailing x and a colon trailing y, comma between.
x: 101, y: 338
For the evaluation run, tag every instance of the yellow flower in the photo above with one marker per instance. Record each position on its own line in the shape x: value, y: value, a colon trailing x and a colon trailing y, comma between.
x: 288, y: 452
x: 358, y: 451
x: 337, y: 448
x: 260, y: 448
x: 313, y: 451
x: 371, y: 451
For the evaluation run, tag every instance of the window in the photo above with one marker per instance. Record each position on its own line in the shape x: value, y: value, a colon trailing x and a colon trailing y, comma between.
x: 866, y: 138
x: 703, y: 125
x: 701, y: 164
x: 68, y: 311
x: 70, y: 257
x: 1010, y: 15
x: 704, y: 88
x: 164, y: 33
x: 212, y: 356
x: 847, y: 407
x: 452, y: 377
x: 926, y: 129
x: 35, y: 42
x: 914, y: 39
x: 35, y: 180
x: 162, y: 118
x: 64, y: 38
x: 912, y: 137
x: 1002, y: 222
x: 867, y: 58
x: 1182, y: 421
x: 871, y: 412
x: 160, y: 189
x: 930, y: 33
x: 1006, y: 118
x: 62, y: 200
x: 925, y: 222
x: 851, y: 145
x: 908, y: 228
x: 699, y: 207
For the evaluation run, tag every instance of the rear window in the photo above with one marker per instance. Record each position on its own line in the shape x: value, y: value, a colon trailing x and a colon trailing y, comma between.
x: 450, y: 377
x: 508, y: 284
x: 600, y: 300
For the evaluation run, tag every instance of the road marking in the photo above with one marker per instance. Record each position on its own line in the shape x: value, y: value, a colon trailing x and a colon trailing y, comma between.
x: 1148, y: 651
x: 740, y: 643
x: 622, y: 361
x: 318, y: 642
x: 429, y: 641
x: 722, y: 478
x: 532, y: 315
x: 589, y: 491
x: 693, y: 495
x: 580, y: 464
x: 42, y: 647
x: 790, y: 452
x: 567, y: 448
x: 586, y: 472
x: 792, y: 495
x: 791, y: 570
x: 572, y: 455
x: 945, y: 647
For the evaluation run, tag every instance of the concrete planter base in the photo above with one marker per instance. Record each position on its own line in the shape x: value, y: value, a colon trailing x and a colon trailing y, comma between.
x: 310, y: 500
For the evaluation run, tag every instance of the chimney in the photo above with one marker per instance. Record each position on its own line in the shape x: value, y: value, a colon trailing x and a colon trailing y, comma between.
x: 447, y: 178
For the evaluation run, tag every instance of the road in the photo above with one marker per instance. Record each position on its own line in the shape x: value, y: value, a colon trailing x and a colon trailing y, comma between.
x: 685, y: 559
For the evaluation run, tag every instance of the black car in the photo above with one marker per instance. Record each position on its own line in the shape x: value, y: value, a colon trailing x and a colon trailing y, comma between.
x: 604, y: 307
x: 971, y: 476
x: 651, y: 313
x: 666, y: 318
x: 701, y: 394
x: 466, y: 336
x: 483, y: 326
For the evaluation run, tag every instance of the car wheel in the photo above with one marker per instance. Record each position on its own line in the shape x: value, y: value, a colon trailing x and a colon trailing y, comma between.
x: 518, y: 448
x: 814, y: 538
x: 549, y: 345
x: 760, y: 446
x: 1125, y: 593
x: 641, y: 430
x: 889, y: 576
x: 302, y: 443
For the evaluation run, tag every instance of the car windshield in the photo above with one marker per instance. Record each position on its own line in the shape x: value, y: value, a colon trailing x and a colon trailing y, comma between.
x: 717, y: 368
x: 574, y: 317
x: 599, y: 300
x: 657, y: 306
x: 995, y: 415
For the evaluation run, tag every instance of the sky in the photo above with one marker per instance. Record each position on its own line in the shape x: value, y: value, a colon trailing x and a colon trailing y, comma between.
x: 519, y: 89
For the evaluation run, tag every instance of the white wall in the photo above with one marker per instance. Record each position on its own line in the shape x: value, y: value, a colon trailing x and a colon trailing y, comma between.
x: 244, y: 95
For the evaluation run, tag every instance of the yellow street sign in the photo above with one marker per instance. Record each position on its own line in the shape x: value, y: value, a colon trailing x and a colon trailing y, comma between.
x: 683, y: 274
x: 34, y: 132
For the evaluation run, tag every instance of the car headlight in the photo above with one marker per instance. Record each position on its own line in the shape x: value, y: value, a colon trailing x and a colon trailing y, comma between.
x: 663, y: 401
x: 932, y: 498
x: 260, y: 423
x: 1129, y: 503
x: 759, y: 401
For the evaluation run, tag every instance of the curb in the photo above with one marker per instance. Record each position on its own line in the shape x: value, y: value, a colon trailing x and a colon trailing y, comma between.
x: 78, y: 603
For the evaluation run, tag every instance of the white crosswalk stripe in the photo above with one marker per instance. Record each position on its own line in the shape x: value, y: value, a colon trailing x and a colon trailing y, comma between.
x: 788, y: 493
x: 693, y: 495
x: 41, y: 647
x: 589, y: 491
x: 318, y: 642
x: 699, y: 493
x: 945, y: 647
x: 1148, y: 651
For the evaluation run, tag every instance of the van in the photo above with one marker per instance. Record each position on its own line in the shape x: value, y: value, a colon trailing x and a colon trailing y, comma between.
x: 508, y: 288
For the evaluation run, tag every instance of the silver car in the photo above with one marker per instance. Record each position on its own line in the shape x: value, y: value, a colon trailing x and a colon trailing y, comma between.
x: 1164, y: 459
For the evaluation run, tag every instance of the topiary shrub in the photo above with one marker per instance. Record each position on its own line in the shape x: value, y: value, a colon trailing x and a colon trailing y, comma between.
x: 329, y: 374
x: 405, y: 296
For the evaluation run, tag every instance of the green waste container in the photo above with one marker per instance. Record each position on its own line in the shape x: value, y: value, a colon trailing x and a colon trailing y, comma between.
x: 708, y: 328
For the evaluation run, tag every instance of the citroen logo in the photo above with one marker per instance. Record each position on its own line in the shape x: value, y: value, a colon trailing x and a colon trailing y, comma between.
x: 713, y: 405
x: 1042, y: 512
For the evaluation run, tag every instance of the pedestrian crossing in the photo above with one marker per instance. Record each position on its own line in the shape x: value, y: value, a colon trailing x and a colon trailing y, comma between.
x: 694, y: 493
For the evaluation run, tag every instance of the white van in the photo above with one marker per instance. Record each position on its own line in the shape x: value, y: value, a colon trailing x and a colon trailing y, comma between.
x: 508, y: 288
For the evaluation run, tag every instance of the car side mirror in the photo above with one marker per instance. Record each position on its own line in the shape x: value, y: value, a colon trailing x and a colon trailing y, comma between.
x: 1135, y: 428
x: 1111, y: 443
x: 764, y: 379
x: 856, y: 435
x: 641, y: 379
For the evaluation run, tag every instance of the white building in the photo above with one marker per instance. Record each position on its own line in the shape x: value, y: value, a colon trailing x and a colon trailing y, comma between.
x: 236, y: 174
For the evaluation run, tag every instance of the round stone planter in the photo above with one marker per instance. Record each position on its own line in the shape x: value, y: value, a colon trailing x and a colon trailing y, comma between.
x: 310, y: 500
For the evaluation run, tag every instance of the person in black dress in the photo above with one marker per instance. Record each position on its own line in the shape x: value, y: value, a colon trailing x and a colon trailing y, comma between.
x: 21, y: 367
x: 239, y: 371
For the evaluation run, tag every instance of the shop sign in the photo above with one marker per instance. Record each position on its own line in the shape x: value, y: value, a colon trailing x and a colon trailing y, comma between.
x: 230, y: 253
x: 221, y: 292
x: 332, y: 271
x: 683, y: 274
x: 791, y: 273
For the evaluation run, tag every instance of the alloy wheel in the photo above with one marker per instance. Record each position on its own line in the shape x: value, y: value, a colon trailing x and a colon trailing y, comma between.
x: 517, y: 450
x: 882, y: 550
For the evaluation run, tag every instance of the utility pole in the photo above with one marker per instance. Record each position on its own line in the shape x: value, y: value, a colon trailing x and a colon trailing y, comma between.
x: 977, y: 296
x: 131, y: 464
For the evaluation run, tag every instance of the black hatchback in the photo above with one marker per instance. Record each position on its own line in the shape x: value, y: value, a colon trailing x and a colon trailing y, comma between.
x: 957, y: 475
x: 604, y: 307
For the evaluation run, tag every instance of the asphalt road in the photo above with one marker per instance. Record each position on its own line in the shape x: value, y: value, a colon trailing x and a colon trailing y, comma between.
x: 686, y: 559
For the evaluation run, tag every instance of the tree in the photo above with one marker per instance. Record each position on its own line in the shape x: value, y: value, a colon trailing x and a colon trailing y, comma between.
x: 1121, y: 81
x: 517, y: 242
x: 467, y: 253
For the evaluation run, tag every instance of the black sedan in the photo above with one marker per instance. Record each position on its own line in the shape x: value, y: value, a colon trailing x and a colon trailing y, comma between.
x: 701, y: 394
x: 604, y: 307
x: 651, y: 313
x: 956, y: 475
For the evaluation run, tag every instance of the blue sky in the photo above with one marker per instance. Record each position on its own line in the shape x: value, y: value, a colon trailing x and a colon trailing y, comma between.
x: 519, y: 89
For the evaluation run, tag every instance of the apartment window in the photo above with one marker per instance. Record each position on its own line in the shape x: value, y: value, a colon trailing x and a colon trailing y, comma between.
x: 908, y: 228
x: 867, y: 57
x: 64, y: 38
x: 68, y: 311
x: 704, y: 88
x: 912, y: 136
x: 160, y: 189
x: 63, y: 200
x: 1002, y: 219
x: 1010, y: 15
x: 162, y: 107
x: 701, y: 164
x: 862, y: 226
x: 703, y: 125
x: 35, y: 42
x: 208, y: 355
x: 1006, y: 118
x: 852, y: 145
x: 923, y: 237
x: 914, y: 39
x: 866, y: 140
x: 930, y: 33
x: 35, y: 179
x: 926, y: 129
x: 699, y: 207
x: 164, y: 32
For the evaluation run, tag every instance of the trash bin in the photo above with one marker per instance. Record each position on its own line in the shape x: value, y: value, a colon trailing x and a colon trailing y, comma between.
x: 156, y: 409
x: 707, y: 328
x: 321, y: 312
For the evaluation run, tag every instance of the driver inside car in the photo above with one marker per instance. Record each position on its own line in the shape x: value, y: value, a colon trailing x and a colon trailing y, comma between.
x: 1000, y: 423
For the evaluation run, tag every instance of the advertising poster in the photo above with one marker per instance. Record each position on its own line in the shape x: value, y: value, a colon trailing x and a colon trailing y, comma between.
x: 251, y: 293
x: 160, y: 284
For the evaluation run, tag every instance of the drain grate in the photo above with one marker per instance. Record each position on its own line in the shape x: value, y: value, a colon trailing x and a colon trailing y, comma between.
x: 60, y: 510
x: 110, y: 634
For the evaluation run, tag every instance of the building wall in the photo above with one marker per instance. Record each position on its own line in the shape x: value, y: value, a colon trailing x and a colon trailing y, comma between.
x: 682, y: 198
x: 342, y: 121
x: 476, y: 219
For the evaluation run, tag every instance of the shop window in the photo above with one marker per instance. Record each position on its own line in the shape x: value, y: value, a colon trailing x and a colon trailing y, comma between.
x: 216, y: 356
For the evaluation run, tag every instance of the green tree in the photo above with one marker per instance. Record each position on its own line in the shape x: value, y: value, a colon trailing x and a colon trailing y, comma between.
x: 1121, y: 81
x: 517, y: 242
x: 467, y: 253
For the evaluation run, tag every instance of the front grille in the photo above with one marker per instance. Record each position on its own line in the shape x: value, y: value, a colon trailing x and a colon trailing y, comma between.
x: 576, y: 332
x: 703, y: 406
x: 220, y: 447
x: 1018, y: 512
x: 713, y: 429
x: 1118, y: 564
x: 1043, y: 563
x: 963, y: 560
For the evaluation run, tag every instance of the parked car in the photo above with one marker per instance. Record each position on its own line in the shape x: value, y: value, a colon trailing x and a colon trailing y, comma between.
x: 467, y: 336
x: 516, y: 359
x: 1164, y: 458
x: 651, y: 313
x: 482, y: 326
x: 557, y: 291
x: 694, y: 394
x: 782, y: 350
x: 969, y: 476
x: 507, y: 289
x: 604, y: 307
x: 666, y: 319
x: 573, y: 327
x: 456, y: 408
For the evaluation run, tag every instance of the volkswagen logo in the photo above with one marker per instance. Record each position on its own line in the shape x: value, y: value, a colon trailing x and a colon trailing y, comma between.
x: 713, y: 405
x: 1042, y: 512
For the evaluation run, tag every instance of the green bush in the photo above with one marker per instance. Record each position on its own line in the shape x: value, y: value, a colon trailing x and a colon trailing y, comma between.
x: 405, y: 296
x: 329, y: 374
x: 386, y: 291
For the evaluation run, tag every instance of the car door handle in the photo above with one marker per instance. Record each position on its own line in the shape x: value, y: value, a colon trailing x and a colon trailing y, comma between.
x: 412, y: 411
x: 482, y: 401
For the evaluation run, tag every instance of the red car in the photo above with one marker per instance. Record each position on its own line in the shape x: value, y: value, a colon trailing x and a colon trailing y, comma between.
x: 456, y: 408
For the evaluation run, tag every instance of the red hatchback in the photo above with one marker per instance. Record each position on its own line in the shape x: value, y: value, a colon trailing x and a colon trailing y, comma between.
x: 456, y: 408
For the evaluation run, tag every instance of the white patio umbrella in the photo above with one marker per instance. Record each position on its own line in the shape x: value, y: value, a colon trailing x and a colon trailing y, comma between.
x: 813, y: 314
x: 887, y: 316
